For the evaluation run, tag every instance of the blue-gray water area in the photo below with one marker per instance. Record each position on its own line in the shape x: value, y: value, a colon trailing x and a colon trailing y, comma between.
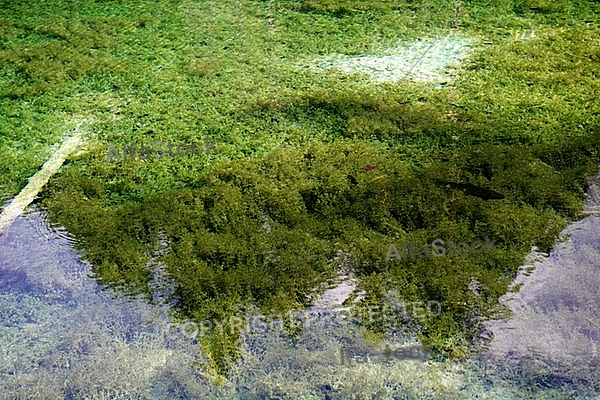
x: 553, y: 334
x: 63, y: 337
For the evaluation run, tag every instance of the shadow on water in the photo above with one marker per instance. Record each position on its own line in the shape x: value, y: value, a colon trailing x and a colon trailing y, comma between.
x: 11, y: 280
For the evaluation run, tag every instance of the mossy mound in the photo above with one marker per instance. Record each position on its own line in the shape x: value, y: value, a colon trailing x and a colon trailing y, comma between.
x: 264, y: 232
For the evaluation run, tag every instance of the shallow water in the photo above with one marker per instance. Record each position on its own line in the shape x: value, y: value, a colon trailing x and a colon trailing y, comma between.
x: 555, y: 327
x: 431, y: 60
x: 62, y: 336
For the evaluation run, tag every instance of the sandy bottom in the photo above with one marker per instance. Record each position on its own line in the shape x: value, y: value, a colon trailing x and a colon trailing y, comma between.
x: 555, y: 327
x: 427, y: 60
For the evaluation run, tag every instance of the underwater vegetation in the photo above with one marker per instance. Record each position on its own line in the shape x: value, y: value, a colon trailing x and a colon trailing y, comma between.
x: 308, y: 165
x: 223, y: 257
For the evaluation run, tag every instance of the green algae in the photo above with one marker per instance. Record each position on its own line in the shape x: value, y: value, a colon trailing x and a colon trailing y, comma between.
x: 329, y: 163
x: 223, y: 258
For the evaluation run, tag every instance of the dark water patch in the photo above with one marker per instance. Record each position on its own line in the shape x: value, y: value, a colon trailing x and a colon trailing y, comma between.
x: 553, y: 302
x: 472, y: 190
x: 4, y: 202
x: 590, y: 334
x: 15, y: 281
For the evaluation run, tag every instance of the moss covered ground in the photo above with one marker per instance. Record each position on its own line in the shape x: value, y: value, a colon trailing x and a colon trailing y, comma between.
x: 328, y: 162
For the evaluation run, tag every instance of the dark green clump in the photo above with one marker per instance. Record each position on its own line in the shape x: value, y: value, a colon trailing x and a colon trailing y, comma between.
x: 263, y: 232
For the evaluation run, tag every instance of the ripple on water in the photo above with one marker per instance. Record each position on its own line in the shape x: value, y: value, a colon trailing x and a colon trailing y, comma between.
x: 50, y: 231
